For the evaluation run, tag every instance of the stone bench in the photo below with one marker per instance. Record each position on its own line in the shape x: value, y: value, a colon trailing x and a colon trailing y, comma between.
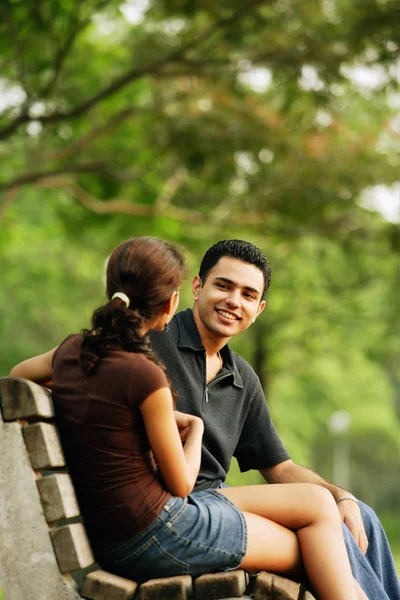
x: 44, y: 550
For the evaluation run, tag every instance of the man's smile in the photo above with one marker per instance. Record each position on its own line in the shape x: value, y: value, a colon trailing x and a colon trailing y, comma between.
x: 227, y: 315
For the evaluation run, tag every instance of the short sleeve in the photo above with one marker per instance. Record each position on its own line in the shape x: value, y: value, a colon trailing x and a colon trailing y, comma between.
x: 73, y: 338
x: 259, y: 445
x: 146, y: 378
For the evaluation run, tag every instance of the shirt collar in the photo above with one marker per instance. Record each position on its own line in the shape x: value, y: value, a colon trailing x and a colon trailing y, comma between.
x: 189, y: 337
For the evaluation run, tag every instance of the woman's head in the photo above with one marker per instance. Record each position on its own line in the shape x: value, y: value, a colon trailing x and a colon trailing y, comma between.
x: 148, y: 270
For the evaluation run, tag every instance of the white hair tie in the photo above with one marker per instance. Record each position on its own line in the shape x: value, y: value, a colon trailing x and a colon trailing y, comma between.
x: 122, y: 297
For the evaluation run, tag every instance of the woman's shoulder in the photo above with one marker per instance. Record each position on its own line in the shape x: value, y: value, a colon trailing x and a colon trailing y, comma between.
x: 134, y: 361
x: 142, y: 375
x: 73, y: 340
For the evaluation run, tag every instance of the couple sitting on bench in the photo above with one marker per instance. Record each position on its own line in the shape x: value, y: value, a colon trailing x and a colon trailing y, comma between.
x: 150, y: 478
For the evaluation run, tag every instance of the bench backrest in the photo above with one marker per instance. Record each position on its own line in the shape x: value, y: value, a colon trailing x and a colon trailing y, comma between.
x: 44, y: 551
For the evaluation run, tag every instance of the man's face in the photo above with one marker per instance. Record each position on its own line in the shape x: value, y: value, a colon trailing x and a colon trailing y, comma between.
x: 230, y: 298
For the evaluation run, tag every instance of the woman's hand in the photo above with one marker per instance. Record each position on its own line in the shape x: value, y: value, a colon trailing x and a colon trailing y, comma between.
x: 175, y: 439
x: 186, y: 423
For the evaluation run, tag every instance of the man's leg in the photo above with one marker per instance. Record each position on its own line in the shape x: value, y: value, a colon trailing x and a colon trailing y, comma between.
x: 379, y: 554
x: 375, y: 571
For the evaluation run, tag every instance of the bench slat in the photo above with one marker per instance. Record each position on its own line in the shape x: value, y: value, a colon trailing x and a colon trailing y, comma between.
x: 71, y: 547
x: 101, y: 585
x: 58, y: 498
x: 169, y: 588
x: 230, y: 584
x: 274, y: 587
x: 22, y: 399
x: 43, y: 446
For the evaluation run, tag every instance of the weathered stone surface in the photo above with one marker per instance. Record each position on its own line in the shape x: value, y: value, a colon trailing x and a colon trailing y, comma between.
x: 169, y: 588
x: 72, y: 547
x: 43, y: 446
x: 101, y: 585
x: 273, y: 587
x: 22, y: 399
x: 58, y: 497
x: 28, y: 566
x: 231, y: 584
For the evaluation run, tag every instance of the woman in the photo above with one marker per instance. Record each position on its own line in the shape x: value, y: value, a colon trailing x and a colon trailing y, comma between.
x: 134, y: 459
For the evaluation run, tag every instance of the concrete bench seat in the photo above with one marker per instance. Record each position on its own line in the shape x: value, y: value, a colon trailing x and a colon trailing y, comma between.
x: 45, y: 553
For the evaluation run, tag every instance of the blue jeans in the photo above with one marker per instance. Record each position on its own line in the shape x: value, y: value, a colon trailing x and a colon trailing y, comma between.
x: 199, y: 534
x: 375, y: 571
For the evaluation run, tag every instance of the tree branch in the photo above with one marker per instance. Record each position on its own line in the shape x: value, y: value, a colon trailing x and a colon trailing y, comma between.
x: 170, y: 188
x: 120, y: 206
x: 39, y: 176
x: 135, y: 209
x: 129, y: 76
x: 97, y: 131
x: 221, y: 215
x: 61, y: 56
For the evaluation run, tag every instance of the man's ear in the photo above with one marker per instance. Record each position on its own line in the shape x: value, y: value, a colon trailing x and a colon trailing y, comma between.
x: 261, y: 307
x: 197, y: 284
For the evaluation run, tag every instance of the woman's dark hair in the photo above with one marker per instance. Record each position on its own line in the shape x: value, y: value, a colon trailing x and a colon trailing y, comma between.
x: 148, y: 271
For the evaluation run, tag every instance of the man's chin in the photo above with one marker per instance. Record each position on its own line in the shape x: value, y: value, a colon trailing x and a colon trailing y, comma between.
x: 226, y: 330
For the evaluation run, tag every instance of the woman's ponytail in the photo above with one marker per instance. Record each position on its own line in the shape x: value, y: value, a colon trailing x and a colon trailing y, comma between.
x: 142, y: 273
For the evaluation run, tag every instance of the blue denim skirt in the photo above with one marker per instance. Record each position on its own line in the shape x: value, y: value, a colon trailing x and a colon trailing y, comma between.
x: 199, y: 534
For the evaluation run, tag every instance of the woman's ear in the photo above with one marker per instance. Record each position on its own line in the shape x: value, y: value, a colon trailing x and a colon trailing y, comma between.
x: 172, y: 304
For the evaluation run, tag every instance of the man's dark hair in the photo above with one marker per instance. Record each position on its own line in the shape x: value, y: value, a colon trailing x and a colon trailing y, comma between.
x: 241, y: 250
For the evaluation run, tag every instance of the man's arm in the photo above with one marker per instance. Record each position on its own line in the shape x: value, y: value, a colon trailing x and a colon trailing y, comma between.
x: 289, y: 472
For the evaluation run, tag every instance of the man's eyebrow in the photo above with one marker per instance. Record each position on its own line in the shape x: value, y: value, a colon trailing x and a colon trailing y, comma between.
x: 231, y: 282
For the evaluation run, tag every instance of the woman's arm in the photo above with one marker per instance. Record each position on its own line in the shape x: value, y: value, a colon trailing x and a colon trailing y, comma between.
x: 38, y: 368
x: 179, y: 465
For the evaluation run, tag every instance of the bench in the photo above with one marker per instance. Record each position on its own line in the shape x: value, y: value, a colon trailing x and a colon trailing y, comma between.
x: 45, y: 553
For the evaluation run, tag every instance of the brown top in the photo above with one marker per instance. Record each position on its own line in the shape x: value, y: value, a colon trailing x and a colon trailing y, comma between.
x: 104, y: 439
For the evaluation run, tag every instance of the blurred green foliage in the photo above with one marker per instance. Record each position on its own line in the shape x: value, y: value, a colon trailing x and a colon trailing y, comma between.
x: 198, y: 121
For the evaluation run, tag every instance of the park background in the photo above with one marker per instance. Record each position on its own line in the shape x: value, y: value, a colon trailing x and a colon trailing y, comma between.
x: 194, y: 121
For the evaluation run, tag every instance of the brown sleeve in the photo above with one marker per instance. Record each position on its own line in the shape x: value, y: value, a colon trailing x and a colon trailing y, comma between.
x: 146, y: 378
x: 72, y: 336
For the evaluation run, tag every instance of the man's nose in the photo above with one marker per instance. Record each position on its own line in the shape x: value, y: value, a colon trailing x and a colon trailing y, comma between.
x: 234, y: 298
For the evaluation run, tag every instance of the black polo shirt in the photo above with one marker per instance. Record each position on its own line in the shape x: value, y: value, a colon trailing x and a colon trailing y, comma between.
x: 233, y: 407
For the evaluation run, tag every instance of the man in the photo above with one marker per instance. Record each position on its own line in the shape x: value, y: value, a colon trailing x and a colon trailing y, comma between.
x: 220, y: 386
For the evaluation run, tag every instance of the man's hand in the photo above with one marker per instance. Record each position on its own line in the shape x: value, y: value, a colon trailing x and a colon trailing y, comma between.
x: 351, y: 516
x: 185, y: 423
